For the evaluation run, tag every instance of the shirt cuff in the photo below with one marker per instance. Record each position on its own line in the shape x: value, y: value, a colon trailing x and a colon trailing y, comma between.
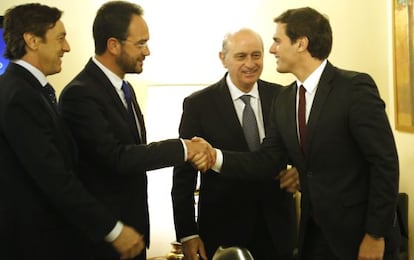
x: 185, y: 149
x: 184, y: 239
x: 219, y: 161
x: 115, y: 232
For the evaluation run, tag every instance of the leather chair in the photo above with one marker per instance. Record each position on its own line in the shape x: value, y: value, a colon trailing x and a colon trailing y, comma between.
x: 232, y: 253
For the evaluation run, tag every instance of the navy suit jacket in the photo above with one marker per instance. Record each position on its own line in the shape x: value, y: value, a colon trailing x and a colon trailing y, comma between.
x: 44, y: 209
x: 349, y: 174
x: 112, y: 165
x: 228, y: 210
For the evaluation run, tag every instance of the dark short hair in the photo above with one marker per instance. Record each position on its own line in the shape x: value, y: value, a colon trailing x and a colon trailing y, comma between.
x: 27, y: 18
x: 309, y: 23
x: 112, y: 20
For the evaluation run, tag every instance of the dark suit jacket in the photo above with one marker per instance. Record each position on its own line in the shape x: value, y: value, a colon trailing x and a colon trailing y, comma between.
x: 44, y: 209
x: 349, y: 176
x: 112, y: 166
x: 228, y: 210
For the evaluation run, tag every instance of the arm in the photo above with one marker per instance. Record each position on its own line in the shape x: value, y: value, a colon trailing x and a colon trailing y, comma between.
x: 38, y: 140
x: 103, y: 135
x: 372, y: 132
x: 269, y: 160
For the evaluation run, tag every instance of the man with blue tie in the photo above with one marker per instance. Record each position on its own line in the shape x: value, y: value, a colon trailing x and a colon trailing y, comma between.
x: 45, y: 210
x: 102, y: 112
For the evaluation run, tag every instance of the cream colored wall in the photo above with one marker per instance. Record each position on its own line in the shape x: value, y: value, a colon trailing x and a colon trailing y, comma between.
x: 186, y: 36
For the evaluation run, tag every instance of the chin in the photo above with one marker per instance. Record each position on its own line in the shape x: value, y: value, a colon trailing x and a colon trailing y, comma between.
x: 54, y: 71
x: 280, y: 70
x: 138, y: 69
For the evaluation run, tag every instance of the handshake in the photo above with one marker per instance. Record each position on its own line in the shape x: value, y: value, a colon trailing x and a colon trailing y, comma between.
x: 203, y: 156
x: 200, y: 153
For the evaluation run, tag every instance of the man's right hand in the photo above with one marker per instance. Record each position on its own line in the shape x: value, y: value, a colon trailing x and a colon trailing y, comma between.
x: 200, y: 153
x: 129, y: 243
x: 192, y: 247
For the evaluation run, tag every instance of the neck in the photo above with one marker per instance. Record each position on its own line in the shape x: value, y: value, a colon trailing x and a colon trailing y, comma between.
x: 307, y: 68
x: 109, y: 62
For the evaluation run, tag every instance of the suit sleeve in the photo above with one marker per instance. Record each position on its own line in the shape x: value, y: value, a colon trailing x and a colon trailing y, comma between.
x: 371, y: 130
x: 97, y: 128
x: 185, y: 178
x: 33, y: 136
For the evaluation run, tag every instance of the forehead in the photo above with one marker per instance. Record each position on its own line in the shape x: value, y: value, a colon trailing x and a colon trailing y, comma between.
x: 57, y: 29
x: 138, y: 28
x: 280, y: 30
x: 245, y: 41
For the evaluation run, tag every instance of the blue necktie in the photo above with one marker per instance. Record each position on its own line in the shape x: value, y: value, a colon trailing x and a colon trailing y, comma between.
x: 249, y: 122
x: 130, y: 110
x: 50, y: 93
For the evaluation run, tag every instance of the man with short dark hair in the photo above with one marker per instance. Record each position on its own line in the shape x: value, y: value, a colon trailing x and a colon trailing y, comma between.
x: 45, y: 212
x: 102, y: 112
x: 333, y: 125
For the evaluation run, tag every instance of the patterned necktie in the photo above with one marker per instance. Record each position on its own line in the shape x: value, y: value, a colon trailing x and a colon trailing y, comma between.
x: 50, y: 93
x: 130, y: 110
x: 250, y: 129
x: 302, y: 116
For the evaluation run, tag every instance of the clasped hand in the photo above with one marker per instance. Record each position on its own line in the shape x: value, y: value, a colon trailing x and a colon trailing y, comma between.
x: 200, y: 153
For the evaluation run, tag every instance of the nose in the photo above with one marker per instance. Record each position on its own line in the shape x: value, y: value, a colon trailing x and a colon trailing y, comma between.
x: 147, y: 51
x: 272, y: 49
x: 66, y: 46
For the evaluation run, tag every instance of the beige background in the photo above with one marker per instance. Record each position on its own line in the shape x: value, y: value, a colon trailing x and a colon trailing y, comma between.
x: 186, y: 37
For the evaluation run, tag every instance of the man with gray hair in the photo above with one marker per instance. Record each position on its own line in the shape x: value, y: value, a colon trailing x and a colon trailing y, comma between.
x: 257, y: 215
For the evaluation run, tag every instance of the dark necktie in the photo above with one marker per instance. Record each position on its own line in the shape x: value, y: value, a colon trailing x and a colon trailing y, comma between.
x: 130, y: 110
x: 302, y: 116
x: 250, y: 129
x: 50, y: 93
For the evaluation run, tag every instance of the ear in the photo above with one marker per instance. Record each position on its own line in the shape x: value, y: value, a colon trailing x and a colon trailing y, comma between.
x: 113, y: 46
x: 32, y: 41
x: 223, y: 59
x: 303, y: 43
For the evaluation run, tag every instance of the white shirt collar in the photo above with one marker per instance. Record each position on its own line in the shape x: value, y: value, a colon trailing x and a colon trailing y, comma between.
x: 312, y: 81
x: 113, y: 78
x: 32, y: 69
x: 237, y: 93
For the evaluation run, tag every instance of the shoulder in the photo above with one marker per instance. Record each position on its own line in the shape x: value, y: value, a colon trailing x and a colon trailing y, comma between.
x: 15, y: 87
x: 349, y: 76
x: 267, y: 84
x: 208, y: 92
x: 82, y: 84
x: 269, y: 89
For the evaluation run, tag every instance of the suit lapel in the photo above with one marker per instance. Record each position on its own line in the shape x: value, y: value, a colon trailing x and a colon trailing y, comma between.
x: 225, y: 109
x: 61, y: 130
x: 139, y: 115
x: 110, y: 91
x: 107, y: 87
x: 265, y: 101
x: 322, y: 93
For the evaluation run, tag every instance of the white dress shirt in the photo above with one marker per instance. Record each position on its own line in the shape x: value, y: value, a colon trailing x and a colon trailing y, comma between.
x: 254, y: 102
x: 310, y: 85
